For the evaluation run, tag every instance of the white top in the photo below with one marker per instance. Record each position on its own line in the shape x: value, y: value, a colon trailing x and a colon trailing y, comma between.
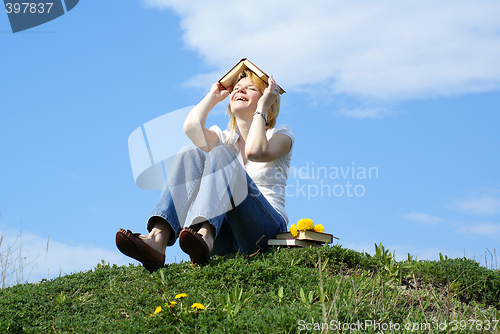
x: 270, y: 177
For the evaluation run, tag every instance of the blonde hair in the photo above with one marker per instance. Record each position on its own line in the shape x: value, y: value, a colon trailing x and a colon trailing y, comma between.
x: 272, y: 113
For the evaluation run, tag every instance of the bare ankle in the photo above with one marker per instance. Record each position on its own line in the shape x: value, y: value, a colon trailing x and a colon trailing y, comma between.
x: 208, y: 233
x: 160, y: 235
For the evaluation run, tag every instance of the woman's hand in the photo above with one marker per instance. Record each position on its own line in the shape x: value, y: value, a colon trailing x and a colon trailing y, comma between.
x: 218, y: 92
x: 270, y: 95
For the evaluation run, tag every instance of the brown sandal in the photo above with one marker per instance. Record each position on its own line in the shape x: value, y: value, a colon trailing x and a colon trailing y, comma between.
x: 131, y: 245
x: 192, y: 243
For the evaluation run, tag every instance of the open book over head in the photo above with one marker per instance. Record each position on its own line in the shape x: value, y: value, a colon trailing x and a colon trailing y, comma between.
x: 244, y: 64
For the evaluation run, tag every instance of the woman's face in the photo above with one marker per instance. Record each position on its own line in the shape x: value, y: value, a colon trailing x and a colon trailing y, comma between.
x: 244, y: 96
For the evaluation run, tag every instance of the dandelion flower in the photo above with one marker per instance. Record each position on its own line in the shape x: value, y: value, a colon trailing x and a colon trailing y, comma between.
x: 180, y: 295
x: 198, y: 306
x: 293, y: 231
x: 319, y: 228
x: 305, y: 224
x: 158, y: 310
x: 300, y: 225
x: 172, y: 304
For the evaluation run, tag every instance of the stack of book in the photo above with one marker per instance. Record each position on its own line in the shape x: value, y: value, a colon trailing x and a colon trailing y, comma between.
x: 303, y: 239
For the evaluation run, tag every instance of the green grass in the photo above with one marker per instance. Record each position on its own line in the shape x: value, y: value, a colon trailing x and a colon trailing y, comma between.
x: 281, y: 291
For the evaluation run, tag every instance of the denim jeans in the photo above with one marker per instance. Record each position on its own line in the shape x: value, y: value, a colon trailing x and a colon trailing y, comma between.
x: 215, y: 187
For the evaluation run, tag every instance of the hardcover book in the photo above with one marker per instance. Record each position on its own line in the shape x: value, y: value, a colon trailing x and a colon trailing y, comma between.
x: 309, y: 235
x: 292, y: 242
x: 228, y: 79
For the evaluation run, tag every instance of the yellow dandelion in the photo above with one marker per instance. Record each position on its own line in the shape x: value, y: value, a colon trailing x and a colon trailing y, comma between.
x: 319, y: 228
x: 180, y: 295
x: 172, y: 304
x: 198, y: 306
x: 158, y: 310
x: 300, y: 224
x: 293, y: 230
x: 305, y: 224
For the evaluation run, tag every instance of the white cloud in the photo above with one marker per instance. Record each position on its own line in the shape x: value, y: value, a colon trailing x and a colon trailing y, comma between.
x: 47, y: 258
x: 388, y: 50
x: 483, y: 229
x: 423, y: 218
x: 485, y: 205
x: 373, y: 113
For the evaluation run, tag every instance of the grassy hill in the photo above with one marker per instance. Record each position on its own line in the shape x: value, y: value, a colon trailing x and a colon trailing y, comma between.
x: 327, y: 289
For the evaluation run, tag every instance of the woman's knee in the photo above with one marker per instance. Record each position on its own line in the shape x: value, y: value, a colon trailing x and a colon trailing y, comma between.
x: 221, y: 156
x: 188, y: 161
x: 190, y: 154
x: 191, y: 150
x: 221, y: 150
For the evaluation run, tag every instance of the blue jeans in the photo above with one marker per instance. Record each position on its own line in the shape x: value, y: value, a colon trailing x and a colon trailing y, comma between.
x: 215, y: 187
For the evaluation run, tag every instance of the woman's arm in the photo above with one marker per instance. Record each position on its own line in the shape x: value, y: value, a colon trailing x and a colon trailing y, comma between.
x: 257, y: 147
x: 194, y: 125
x: 279, y: 145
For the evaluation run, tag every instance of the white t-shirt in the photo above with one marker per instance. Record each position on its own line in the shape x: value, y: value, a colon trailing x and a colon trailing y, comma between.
x: 270, y: 177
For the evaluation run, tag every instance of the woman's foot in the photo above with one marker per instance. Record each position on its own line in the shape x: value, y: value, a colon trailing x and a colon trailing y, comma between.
x: 207, y: 231
x: 148, y: 249
x: 158, y: 236
x: 133, y: 246
x: 198, y: 244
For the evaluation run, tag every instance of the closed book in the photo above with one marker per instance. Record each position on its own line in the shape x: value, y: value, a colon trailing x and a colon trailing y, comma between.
x: 292, y: 242
x: 309, y: 235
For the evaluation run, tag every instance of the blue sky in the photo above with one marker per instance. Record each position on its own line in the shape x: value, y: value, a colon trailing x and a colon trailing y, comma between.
x: 410, y: 90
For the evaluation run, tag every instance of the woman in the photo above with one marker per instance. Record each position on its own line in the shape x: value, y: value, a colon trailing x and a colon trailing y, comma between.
x: 228, y: 194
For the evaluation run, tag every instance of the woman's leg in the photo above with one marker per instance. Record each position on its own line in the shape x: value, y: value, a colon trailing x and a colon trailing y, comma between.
x: 250, y: 224
x: 207, y: 231
x: 159, y: 235
x: 169, y: 214
x: 229, y: 207
x: 222, y: 187
x: 218, y: 192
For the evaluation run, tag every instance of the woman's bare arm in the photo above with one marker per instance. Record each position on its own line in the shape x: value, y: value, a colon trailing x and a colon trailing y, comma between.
x: 257, y: 147
x: 194, y: 125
